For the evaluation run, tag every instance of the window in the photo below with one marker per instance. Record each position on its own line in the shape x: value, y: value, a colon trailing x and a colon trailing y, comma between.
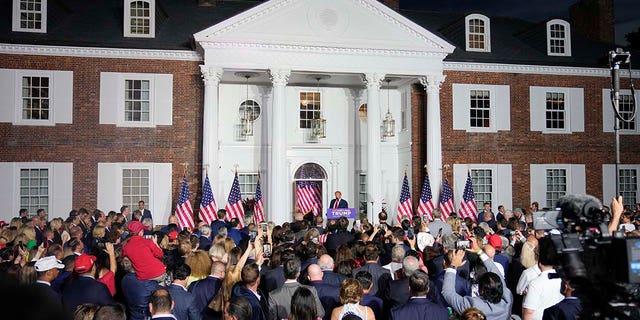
x: 549, y: 182
x: 309, y: 108
x: 477, y: 33
x: 248, y: 183
x: 404, y: 109
x: 481, y: 107
x: 479, y: 111
x: 362, y: 193
x: 135, y: 186
x: 482, y: 180
x: 556, y: 186
x: 34, y: 189
x: 558, y: 38
x: 556, y: 110
x: 555, y: 115
x: 491, y: 183
x: 626, y: 109
x: 35, y: 98
x: 252, y: 109
x: 136, y: 99
x: 136, y: 103
x: 139, y: 19
x: 628, y: 186
x: 30, y: 15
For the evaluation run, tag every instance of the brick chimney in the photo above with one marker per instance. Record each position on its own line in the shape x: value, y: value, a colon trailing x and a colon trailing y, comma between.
x: 393, y: 4
x: 593, y: 19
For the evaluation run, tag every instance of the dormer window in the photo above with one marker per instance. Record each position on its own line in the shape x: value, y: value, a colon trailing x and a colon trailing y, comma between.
x: 30, y: 16
x: 558, y: 38
x: 477, y: 33
x: 139, y: 18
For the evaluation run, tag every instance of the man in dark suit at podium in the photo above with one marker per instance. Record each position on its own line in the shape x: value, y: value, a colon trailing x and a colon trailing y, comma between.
x: 338, y: 202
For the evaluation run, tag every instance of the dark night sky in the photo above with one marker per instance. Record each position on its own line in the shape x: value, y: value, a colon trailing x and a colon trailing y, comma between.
x: 627, y: 12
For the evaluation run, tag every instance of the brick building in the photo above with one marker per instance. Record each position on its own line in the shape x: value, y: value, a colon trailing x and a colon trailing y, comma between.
x: 104, y: 103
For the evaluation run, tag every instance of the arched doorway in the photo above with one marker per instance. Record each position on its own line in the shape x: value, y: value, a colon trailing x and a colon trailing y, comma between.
x: 308, y: 188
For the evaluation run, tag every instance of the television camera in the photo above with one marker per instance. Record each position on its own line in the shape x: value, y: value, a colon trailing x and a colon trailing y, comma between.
x: 609, y: 264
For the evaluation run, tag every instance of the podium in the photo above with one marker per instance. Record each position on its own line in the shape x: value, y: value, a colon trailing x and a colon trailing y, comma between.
x: 349, y: 213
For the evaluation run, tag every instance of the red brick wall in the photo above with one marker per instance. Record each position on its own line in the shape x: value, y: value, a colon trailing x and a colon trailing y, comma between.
x: 520, y: 146
x: 85, y: 142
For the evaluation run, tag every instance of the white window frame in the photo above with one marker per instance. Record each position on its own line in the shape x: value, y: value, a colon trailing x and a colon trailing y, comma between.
x: 134, y: 203
x: 608, y: 115
x: 637, y: 191
x: 127, y: 19
x: 307, y: 90
x: 576, y: 180
x: 249, y: 194
x: 49, y: 168
x: 574, y: 109
x: 566, y: 39
x: 565, y: 110
x: 501, y: 184
x: 150, y: 101
x: 19, y: 103
x: 487, y: 32
x: 16, y: 18
x: 499, y: 112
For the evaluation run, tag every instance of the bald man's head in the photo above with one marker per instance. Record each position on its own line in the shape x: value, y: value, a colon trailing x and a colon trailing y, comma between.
x: 325, y: 262
x: 315, y: 273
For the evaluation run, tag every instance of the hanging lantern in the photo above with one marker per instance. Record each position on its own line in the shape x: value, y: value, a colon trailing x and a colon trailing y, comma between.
x: 388, y: 124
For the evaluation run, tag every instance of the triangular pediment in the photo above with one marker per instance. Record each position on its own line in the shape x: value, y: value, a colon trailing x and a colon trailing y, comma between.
x: 361, y: 24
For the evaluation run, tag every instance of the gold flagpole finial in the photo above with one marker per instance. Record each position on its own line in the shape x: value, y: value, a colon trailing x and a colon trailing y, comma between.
x: 185, y: 166
x: 235, y: 167
x: 206, y: 169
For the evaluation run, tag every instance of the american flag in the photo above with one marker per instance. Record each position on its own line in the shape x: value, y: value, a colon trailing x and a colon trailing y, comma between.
x: 184, y: 211
x: 234, y: 203
x: 306, y: 195
x: 258, y: 206
x: 426, y: 202
x: 208, y: 206
x: 316, y: 194
x: 446, y: 200
x: 404, y: 206
x: 468, y: 207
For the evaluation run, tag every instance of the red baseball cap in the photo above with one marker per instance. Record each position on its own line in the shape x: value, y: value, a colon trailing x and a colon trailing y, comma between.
x: 135, y: 226
x: 84, y: 263
x: 495, y: 241
x: 173, y: 235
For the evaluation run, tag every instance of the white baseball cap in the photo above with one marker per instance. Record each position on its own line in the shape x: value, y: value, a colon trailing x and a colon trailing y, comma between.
x: 48, y: 263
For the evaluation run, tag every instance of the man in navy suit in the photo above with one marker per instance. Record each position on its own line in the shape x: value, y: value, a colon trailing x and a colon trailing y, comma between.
x: 136, y: 294
x: 145, y: 212
x: 85, y: 288
x: 248, y: 288
x: 418, y: 305
x: 184, y: 303
x: 206, y: 289
x: 47, y: 269
x: 328, y: 294
x: 160, y: 304
x: 570, y: 307
x: 338, y: 202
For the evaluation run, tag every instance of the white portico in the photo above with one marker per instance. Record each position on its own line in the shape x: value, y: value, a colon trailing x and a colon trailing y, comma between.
x: 357, y: 44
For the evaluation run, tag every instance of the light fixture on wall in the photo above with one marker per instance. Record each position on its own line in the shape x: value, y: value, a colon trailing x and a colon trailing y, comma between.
x: 388, y: 124
x: 246, y: 116
x: 319, y: 123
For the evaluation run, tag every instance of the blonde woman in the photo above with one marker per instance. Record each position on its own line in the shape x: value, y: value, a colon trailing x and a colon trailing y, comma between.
x: 529, y: 259
x: 350, y: 296
x: 200, y: 265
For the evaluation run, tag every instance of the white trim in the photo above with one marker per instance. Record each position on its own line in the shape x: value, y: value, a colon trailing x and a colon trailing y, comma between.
x: 573, y: 109
x: 608, y: 114
x: 566, y: 39
x: 534, y: 69
x: 97, y: 52
x: 486, y: 34
x: 122, y: 87
x: 18, y: 120
x: 16, y: 18
x: 127, y: 20
x: 33, y: 165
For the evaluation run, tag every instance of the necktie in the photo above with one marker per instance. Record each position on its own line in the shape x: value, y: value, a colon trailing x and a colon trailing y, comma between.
x: 336, y: 204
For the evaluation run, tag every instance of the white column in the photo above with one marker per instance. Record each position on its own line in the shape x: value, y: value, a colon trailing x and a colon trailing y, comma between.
x: 374, y: 172
x: 434, y: 132
x: 210, y: 144
x: 278, y: 175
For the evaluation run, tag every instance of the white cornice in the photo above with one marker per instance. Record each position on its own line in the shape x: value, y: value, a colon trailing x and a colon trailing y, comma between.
x: 533, y: 69
x: 95, y: 52
x: 322, y: 49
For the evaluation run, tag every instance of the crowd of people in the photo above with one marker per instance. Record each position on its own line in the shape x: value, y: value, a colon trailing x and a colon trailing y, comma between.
x: 119, y: 265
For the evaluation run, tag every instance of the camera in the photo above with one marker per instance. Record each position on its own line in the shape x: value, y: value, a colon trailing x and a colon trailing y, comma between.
x: 266, y: 249
x: 463, y: 244
x: 264, y: 227
x: 253, y: 235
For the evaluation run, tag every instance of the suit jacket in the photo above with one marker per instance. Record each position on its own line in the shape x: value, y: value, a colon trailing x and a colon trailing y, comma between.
x: 502, y: 260
x: 500, y: 310
x: 329, y: 296
x: 203, y: 291
x: 272, y: 279
x: 374, y: 303
x: 463, y: 288
x: 259, y: 307
x: 334, y: 240
x: 435, y: 267
x: 377, y: 271
x: 146, y: 214
x: 85, y: 290
x: 419, y: 308
x: 342, y: 203
x: 137, y: 293
x: 184, y: 303
x: 280, y: 300
x: 567, y: 309
x: 331, y: 278
x: 398, y: 293
x: 215, y: 225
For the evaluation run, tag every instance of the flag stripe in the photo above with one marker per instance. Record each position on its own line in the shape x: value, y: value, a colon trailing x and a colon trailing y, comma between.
x: 208, y: 206
x: 184, y: 211
x: 258, y: 207
x: 234, y: 203
x: 446, y: 200
x: 468, y: 208
x: 426, y: 202
x: 404, y: 206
